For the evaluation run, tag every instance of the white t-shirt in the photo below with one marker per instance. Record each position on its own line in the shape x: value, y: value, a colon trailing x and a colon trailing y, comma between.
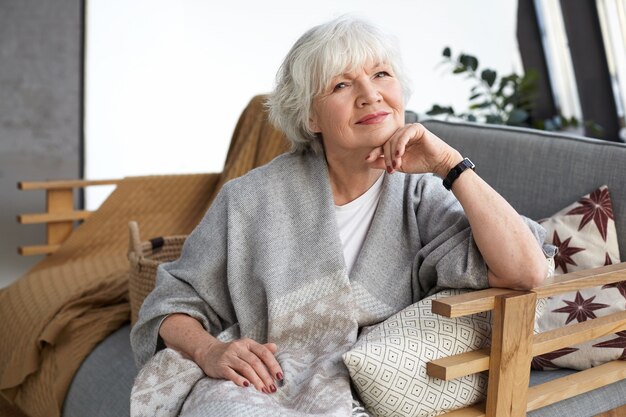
x: 354, y: 220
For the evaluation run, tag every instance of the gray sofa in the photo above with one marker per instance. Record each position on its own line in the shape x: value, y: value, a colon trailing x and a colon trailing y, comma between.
x: 537, y: 172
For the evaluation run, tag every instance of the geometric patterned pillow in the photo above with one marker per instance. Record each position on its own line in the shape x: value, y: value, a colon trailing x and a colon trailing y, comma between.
x: 585, y: 235
x: 387, y: 365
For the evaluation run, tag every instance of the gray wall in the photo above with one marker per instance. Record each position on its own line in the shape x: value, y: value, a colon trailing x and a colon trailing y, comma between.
x: 40, y: 114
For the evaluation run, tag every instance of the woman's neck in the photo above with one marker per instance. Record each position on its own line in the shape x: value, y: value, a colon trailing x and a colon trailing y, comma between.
x: 350, y: 178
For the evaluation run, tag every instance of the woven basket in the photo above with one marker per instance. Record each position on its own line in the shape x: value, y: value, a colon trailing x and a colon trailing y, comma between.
x: 144, y: 259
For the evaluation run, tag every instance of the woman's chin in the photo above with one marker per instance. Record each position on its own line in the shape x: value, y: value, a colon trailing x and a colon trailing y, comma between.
x: 379, y: 138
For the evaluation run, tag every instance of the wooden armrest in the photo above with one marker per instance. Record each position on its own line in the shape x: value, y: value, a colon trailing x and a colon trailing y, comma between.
x: 484, y: 300
x: 578, y: 280
x: 64, y: 184
x: 60, y: 214
x: 469, y: 303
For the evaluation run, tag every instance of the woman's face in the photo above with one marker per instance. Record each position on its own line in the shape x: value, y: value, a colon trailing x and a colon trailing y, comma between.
x: 359, y: 110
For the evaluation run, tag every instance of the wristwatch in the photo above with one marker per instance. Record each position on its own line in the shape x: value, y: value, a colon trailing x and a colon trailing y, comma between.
x: 456, y: 171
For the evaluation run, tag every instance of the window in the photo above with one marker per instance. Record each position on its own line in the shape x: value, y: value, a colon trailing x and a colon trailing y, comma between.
x: 558, y: 58
x: 612, y: 16
x: 584, y: 46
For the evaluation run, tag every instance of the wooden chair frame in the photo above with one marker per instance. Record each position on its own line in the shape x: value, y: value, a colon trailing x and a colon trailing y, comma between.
x: 513, y: 313
x: 60, y: 214
x: 514, y: 345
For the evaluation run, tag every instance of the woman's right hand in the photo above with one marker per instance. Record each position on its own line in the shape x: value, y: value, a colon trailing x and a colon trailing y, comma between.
x: 242, y: 361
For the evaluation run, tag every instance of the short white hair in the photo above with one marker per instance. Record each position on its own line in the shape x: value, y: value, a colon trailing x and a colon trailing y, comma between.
x: 323, y: 52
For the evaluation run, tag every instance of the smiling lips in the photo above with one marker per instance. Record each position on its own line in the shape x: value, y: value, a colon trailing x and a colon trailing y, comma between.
x: 373, y: 118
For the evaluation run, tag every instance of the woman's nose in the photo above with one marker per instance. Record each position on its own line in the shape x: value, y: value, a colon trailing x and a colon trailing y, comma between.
x: 368, y: 94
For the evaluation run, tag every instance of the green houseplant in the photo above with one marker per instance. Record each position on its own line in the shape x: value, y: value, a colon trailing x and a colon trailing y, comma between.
x: 505, y: 100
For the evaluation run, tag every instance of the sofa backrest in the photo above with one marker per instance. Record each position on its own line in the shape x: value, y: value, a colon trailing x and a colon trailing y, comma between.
x: 539, y: 172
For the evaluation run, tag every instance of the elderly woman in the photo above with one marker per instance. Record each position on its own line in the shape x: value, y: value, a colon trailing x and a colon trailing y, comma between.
x: 355, y: 224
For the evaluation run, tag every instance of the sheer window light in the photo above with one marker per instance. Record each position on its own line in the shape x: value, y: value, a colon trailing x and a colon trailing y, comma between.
x: 558, y: 58
x: 612, y: 15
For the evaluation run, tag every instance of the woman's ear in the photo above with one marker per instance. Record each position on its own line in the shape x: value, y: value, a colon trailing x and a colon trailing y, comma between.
x: 313, y: 126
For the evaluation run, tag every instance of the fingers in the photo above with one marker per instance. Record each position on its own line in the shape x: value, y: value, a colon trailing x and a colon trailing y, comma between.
x: 264, y: 363
x: 375, y: 158
x: 274, y: 367
x: 272, y: 347
x: 394, y: 154
x: 246, y: 362
x: 397, y: 150
x: 230, y: 374
x: 395, y: 147
x: 252, y: 371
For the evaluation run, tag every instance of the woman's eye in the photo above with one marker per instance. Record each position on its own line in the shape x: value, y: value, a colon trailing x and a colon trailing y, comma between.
x: 340, y: 86
x: 382, y: 74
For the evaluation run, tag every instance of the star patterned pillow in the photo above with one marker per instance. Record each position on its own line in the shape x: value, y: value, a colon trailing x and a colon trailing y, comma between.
x: 585, y: 236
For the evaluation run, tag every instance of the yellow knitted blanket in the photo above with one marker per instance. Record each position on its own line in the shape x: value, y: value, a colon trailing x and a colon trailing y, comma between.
x: 52, y: 317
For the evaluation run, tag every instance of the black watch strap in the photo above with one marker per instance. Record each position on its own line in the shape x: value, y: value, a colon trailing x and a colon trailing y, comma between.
x: 456, y: 171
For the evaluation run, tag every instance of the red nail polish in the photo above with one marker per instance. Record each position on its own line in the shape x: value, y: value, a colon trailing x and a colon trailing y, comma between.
x: 389, y: 169
x: 246, y: 384
x: 397, y: 153
x: 279, y: 376
x: 273, y: 388
x: 393, y: 164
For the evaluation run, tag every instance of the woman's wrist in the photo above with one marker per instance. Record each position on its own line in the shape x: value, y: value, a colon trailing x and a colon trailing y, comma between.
x: 186, y: 335
x: 451, y: 160
x: 204, y: 351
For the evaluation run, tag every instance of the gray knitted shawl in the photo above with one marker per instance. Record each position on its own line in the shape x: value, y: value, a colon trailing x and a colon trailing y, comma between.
x: 266, y: 262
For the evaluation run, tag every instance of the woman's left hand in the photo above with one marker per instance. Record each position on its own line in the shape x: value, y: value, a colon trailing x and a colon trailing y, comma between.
x: 414, y: 149
x: 510, y: 250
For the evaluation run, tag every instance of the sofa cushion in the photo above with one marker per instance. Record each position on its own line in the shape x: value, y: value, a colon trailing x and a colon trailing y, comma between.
x: 586, y: 237
x: 103, y: 383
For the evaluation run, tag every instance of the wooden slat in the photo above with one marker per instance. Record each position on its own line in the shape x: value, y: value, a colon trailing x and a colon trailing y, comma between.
x: 50, y: 217
x: 460, y: 365
x: 476, y: 410
x: 37, y: 250
x: 579, y: 280
x: 456, y: 366
x: 580, y: 332
x: 511, y: 346
x: 478, y: 361
x: 468, y: 303
x: 574, y: 384
x: 49, y: 185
